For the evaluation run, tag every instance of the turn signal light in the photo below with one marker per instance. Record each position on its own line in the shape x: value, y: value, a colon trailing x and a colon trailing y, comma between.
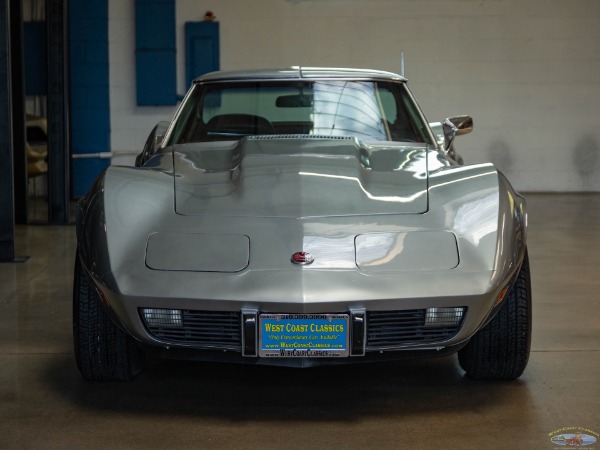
x: 501, y: 295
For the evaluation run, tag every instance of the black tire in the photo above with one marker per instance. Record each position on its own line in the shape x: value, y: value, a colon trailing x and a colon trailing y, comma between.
x: 500, y: 350
x: 103, y: 351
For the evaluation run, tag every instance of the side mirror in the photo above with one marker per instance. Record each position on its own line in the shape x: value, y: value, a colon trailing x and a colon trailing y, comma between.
x: 152, y: 143
x: 456, y: 126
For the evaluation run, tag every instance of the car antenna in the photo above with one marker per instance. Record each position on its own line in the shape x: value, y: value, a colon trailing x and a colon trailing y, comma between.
x: 402, y: 64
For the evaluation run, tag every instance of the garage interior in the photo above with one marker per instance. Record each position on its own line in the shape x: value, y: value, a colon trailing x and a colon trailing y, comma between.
x: 529, y: 73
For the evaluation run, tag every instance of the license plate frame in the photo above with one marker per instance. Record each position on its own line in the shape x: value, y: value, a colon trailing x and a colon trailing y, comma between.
x: 304, y: 335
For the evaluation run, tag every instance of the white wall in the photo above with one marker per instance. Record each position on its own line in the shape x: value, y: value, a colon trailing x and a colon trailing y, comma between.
x: 528, y: 71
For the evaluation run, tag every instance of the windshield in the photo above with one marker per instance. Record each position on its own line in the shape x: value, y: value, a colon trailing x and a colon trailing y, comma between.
x: 367, y: 110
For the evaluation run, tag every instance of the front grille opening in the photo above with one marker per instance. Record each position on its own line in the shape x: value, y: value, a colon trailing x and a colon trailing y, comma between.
x: 199, y: 329
x: 392, y: 329
x: 222, y: 329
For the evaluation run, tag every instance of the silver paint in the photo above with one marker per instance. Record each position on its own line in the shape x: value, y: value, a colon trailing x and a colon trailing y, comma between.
x: 428, y: 233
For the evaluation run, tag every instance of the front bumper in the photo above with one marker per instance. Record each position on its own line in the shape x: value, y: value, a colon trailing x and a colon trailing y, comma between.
x: 206, y: 355
x: 380, y: 328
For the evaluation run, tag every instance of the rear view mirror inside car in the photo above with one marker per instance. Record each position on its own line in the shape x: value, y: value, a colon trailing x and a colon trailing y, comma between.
x: 294, y: 101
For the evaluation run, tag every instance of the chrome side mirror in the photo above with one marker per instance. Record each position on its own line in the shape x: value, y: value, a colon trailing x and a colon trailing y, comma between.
x: 456, y: 126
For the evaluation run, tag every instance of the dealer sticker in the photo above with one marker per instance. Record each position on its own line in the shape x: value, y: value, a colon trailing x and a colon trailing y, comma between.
x: 303, y: 335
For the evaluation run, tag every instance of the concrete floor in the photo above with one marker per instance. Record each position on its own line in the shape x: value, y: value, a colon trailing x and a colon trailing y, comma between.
x: 427, y: 404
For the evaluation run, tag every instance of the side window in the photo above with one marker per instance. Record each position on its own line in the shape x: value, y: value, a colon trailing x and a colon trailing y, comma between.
x: 187, y: 120
x: 399, y: 123
x: 402, y: 117
x: 388, y: 104
x: 412, y: 113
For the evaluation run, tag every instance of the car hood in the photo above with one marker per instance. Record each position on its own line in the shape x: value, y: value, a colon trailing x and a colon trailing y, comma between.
x: 268, y: 176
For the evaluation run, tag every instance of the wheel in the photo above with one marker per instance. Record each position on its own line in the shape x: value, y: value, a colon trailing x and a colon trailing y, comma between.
x: 500, y: 350
x: 103, y: 351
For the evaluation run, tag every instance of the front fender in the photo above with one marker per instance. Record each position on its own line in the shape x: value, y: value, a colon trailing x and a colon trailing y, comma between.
x: 123, y: 207
x: 512, y: 225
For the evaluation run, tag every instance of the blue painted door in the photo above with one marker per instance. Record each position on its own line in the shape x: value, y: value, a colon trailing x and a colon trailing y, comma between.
x: 201, y: 49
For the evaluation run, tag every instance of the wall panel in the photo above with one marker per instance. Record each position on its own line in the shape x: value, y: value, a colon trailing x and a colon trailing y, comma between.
x: 529, y: 72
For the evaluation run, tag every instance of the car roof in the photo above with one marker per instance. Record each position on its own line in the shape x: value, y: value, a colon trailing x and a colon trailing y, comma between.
x: 297, y: 72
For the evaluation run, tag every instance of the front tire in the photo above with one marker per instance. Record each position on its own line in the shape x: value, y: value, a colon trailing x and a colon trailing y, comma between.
x: 103, y: 351
x: 500, y: 350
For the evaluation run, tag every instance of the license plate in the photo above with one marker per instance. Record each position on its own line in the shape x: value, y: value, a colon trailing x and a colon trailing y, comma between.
x: 303, y: 335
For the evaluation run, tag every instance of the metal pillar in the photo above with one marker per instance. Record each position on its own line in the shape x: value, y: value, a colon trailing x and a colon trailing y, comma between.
x: 7, y: 220
x: 58, y: 144
x: 18, y: 111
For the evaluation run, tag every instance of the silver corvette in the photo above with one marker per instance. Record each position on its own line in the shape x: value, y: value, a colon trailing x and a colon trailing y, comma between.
x: 302, y: 217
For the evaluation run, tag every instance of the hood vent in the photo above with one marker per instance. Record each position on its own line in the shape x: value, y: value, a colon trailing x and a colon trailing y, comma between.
x: 277, y: 137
